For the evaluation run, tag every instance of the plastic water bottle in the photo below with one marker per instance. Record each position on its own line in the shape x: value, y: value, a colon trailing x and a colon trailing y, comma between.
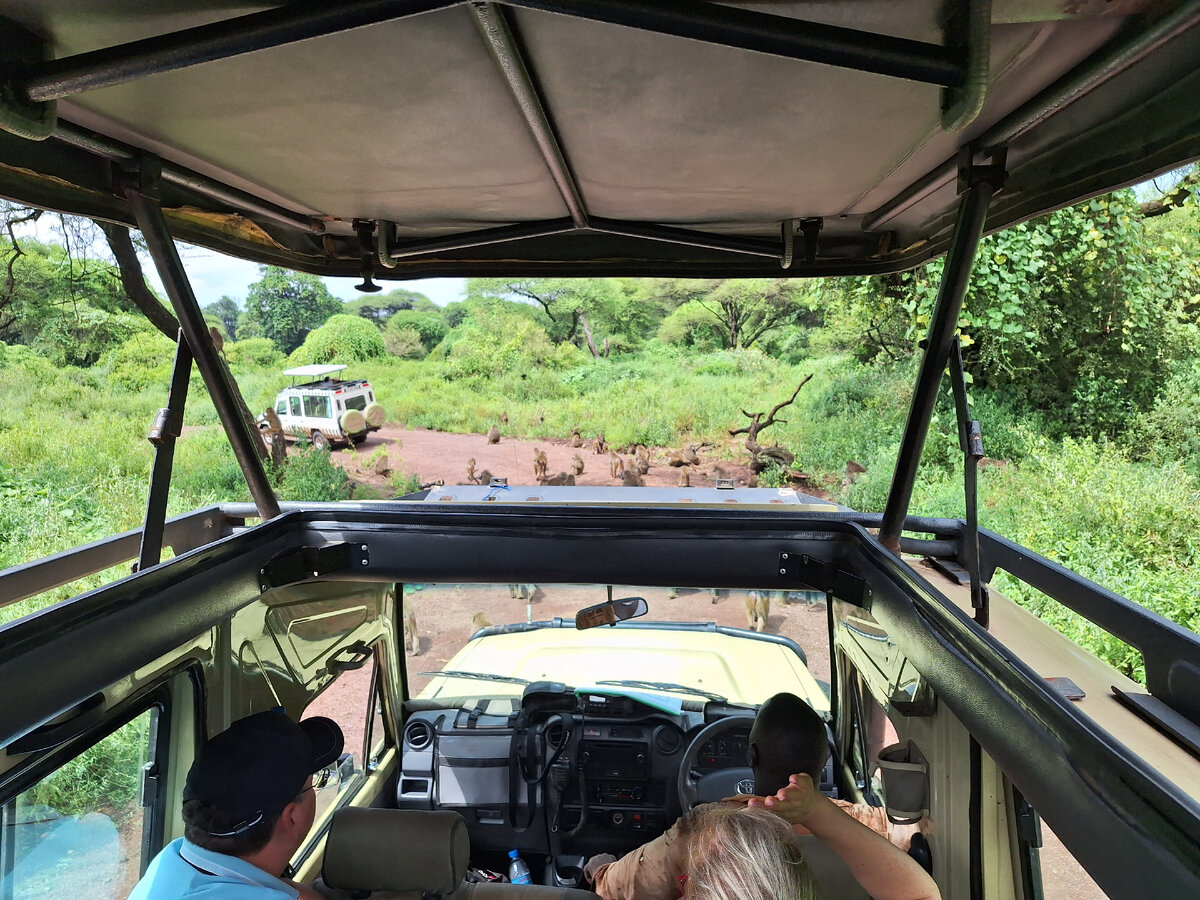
x: 518, y: 872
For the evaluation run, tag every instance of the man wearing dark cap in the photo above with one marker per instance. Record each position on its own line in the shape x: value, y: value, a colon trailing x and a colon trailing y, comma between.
x: 248, y: 804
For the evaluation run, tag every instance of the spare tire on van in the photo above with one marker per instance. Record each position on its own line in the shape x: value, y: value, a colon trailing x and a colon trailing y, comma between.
x: 375, y: 415
x: 352, y: 422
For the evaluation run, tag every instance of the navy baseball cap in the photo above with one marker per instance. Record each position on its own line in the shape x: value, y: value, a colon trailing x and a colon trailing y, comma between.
x: 258, y: 765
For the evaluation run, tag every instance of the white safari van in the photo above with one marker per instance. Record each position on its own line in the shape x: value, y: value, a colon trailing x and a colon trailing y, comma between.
x: 327, y: 410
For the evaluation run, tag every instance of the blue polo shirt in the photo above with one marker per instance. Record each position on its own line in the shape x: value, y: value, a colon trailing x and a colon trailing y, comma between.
x: 183, y: 870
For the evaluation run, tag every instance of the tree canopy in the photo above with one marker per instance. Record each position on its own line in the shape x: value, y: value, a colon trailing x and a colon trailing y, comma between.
x: 285, y: 306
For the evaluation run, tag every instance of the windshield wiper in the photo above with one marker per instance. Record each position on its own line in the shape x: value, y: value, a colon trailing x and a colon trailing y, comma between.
x: 664, y: 686
x: 478, y: 676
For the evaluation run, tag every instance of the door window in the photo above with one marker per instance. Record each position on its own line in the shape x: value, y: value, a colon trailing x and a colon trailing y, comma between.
x: 78, y: 831
x: 295, y: 401
x: 316, y: 406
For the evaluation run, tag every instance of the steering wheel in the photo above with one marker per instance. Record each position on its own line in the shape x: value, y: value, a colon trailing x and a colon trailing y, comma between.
x: 694, y: 789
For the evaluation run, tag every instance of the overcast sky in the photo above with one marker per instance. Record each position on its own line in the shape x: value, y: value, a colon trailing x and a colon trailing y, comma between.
x: 214, y: 276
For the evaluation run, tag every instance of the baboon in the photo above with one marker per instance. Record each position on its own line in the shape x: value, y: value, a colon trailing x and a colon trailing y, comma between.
x: 672, y: 593
x: 752, y: 481
x: 641, y: 452
x: 853, y: 470
x: 277, y: 440
x: 684, y: 479
x: 685, y: 457
x: 758, y: 608
x: 218, y: 342
x: 480, y: 621
x: 576, y: 465
x: 412, y: 641
x: 493, y: 435
x: 559, y: 480
x: 616, y: 465
x: 576, y: 440
x: 642, y: 464
x: 485, y: 477
x: 471, y: 471
x: 504, y: 417
x: 599, y: 444
x: 719, y: 473
x: 522, y: 591
x: 539, y: 464
x: 630, y: 478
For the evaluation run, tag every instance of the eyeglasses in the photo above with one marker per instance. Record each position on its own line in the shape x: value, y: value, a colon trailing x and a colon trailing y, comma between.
x: 322, y: 777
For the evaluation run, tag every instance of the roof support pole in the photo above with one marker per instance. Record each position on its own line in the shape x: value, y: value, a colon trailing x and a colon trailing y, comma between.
x: 982, y: 183
x: 167, y: 427
x: 139, y: 187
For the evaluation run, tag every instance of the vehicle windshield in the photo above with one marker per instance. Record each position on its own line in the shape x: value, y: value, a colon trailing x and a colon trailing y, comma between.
x: 694, y: 644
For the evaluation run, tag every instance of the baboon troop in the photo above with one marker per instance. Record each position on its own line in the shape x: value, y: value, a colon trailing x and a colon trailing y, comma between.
x: 493, y: 435
x: 560, y: 480
x: 758, y: 608
x: 630, y: 478
x: 412, y: 641
x: 522, y: 591
x: 539, y: 464
x: 685, y: 457
x: 576, y: 465
x: 685, y: 480
x: 616, y: 465
x: 479, y: 621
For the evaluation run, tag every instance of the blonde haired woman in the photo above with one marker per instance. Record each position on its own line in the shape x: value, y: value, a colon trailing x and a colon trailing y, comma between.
x: 740, y: 853
x: 749, y: 853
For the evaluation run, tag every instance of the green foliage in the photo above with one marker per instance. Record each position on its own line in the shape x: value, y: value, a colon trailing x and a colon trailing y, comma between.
x: 430, y: 327
x: 253, y: 353
x: 381, y: 308
x: 742, y: 310
x: 81, y: 335
x: 404, y: 343
x: 495, y: 339
x: 1170, y: 431
x: 144, y: 361
x: 284, y: 306
x: 691, y: 325
x: 341, y: 339
x: 310, y: 475
x: 226, y: 312
x: 105, y: 777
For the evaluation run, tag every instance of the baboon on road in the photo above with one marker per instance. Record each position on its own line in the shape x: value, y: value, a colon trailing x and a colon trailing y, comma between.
x: 485, y: 477
x: 685, y: 480
x: 412, y: 641
x: 630, y: 478
x: 539, y: 464
x: 471, y: 471
x: 758, y: 608
x: 559, y: 480
x: 493, y: 435
x: 576, y: 440
x: 576, y: 465
x: 522, y: 591
x: 672, y: 593
x: 599, y: 444
x: 480, y: 621
x: 616, y: 465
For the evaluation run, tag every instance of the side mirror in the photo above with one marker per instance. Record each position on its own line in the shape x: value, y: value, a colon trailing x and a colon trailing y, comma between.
x: 611, y: 612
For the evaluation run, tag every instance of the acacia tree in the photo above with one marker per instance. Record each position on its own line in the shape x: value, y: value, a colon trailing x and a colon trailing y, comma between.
x: 285, y: 306
x: 744, y: 309
x: 226, y: 312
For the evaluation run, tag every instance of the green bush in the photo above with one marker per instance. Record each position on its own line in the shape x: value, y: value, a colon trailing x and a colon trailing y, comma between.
x: 691, y: 325
x: 404, y: 343
x: 80, y: 337
x: 144, y: 361
x: 253, y: 353
x: 342, y: 338
x: 430, y: 327
x: 310, y: 475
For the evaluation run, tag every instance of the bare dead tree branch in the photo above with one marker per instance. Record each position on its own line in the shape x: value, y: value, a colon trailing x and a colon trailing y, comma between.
x: 756, y: 425
x: 133, y: 281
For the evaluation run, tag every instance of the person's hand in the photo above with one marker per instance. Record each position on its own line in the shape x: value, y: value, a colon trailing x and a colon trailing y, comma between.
x: 795, y: 803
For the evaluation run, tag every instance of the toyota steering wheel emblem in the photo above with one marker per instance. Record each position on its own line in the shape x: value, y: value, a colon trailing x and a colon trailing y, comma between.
x: 745, y: 786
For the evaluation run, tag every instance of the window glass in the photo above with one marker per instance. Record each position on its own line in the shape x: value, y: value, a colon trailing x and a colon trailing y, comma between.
x: 348, y: 702
x: 359, y: 402
x: 78, y: 831
x: 295, y: 406
x: 316, y: 406
x: 1048, y: 863
x: 281, y: 406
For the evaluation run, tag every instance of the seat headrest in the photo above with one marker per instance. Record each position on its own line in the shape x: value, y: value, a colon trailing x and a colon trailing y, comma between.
x: 396, y: 850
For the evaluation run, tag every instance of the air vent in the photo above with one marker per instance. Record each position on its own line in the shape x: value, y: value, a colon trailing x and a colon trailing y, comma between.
x: 418, y: 735
x: 668, y: 740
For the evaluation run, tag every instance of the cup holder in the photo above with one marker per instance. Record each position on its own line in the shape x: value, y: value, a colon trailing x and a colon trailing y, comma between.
x: 567, y: 871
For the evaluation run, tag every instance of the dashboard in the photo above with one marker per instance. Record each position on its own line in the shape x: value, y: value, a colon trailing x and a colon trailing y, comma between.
x: 564, y: 773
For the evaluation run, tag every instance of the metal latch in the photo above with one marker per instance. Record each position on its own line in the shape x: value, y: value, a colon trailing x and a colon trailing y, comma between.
x: 303, y: 563
x: 827, y: 577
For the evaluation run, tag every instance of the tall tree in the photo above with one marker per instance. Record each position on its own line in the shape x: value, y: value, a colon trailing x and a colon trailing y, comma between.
x: 285, y: 306
x: 742, y: 309
x: 226, y: 311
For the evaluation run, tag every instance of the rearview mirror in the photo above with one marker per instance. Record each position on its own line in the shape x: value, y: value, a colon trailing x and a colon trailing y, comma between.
x: 611, y: 612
